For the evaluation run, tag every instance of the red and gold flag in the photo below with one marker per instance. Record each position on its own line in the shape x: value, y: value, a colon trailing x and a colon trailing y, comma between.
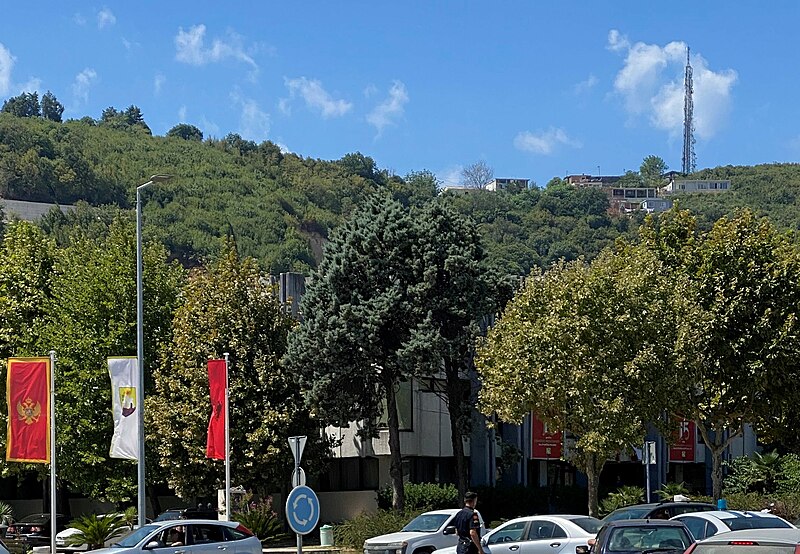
x: 215, y: 445
x: 28, y: 396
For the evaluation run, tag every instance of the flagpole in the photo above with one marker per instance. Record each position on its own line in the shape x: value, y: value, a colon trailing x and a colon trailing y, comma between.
x: 53, y: 451
x: 227, y: 446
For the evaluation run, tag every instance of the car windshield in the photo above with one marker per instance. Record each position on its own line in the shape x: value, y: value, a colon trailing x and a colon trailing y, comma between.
x: 627, y: 513
x: 738, y: 523
x: 646, y: 538
x: 35, y: 518
x: 136, y: 537
x: 589, y: 524
x: 426, y: 523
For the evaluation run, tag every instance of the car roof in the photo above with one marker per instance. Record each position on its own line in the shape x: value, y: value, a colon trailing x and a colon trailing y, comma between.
x: 648, y: 522
x: 448, y: 512
x: 171, y: 522
x: 788, y: 536
x: 729, y: 514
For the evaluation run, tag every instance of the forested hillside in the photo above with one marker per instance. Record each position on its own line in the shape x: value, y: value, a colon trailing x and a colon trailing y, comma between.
x: 279, y: 207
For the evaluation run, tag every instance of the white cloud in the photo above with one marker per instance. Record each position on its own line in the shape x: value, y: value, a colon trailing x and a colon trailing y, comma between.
x: 190, y: 48
x: 587, y: 85
x: 450, y: 176
x: 83, y: 82
x: 544, y: 142
x: 651, y: 85
x: 617, y: 42
x: 391, y: 109
x: 182, y: 114
x: 32, y: 85
x: 254, y: 123
x: 6, y: 65
x: 370, y: 90
x: 316, y: 97
x: 105, y: 18
x: 158, y: 83
x: 79, y: 19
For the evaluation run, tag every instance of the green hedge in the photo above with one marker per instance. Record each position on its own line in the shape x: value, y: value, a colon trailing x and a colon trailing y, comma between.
x: 422, y: 496
x: 353, y: 532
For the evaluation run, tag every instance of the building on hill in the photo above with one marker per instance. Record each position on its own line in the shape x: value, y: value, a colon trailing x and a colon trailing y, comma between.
x: 655, y: 205
x: 28, y: 211
x: 585, y: 180
x: 512, y: 185
x: 458, y: 189
x: 707, y: 186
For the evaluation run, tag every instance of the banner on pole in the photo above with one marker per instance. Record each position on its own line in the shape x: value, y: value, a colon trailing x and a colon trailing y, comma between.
x: 28, y: 396
x: 124, y: 372
x: 215, y: 445
x: 684, y: 440
x: 546, y: 443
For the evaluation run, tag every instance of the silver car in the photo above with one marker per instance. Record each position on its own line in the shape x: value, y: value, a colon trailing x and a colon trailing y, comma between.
x: 188, y: 536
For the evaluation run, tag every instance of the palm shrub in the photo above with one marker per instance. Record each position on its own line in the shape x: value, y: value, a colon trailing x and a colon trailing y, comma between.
x: 669, y: 490
x: 96, y: 530
x: 130, y: 516
x: 623, y: 496
x: 261, y: 519
x: 6, y: 514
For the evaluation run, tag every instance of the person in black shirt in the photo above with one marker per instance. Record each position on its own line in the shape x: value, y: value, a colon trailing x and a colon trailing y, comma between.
x: 468, y: 526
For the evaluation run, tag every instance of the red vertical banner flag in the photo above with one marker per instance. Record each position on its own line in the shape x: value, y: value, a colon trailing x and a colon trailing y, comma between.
x: 546, y: 443
x: 28, y: 397
x: 215, y: 445
x: 683, y: 441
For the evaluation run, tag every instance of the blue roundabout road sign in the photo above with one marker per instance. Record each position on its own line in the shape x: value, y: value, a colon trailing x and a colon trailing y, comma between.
x: 302, y: 510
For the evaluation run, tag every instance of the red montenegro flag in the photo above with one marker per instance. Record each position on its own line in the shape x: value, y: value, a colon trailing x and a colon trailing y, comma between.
x: 215, y: 445
x: 28, y: 395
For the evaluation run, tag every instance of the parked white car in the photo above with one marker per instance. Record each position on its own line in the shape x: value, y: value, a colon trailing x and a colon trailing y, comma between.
x: 707, y: 524
x: 187, y: 536
x: 424, y: 534
x: 62, y: 538
x: 539, y: 535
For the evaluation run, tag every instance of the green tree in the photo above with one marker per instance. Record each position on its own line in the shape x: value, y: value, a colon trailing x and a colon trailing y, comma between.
x: 228, y: 307
x: 91, y: 315
x: 454, y: 289
x: 739, y: 353
x: 186, y: 132
x: 580, y: 347
x: 351, y: 350
x: 24, y: 105
x: 652, y: 171
x: 52, y: 109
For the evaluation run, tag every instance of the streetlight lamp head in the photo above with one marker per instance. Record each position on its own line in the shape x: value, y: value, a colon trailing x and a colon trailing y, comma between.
x: 160, y: 178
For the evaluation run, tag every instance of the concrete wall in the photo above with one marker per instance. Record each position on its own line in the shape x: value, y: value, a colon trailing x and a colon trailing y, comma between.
x: 430, y: 435
x: 338, y: 506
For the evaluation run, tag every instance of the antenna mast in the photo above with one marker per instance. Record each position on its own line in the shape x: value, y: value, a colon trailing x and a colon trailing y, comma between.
x: 688, y: 120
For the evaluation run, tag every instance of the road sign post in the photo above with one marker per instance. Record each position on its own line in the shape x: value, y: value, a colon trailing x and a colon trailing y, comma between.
x: 648, y: 459
x: 301, y: 498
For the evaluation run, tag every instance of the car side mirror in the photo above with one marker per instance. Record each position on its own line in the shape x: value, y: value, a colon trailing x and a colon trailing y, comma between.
x: 449, y: 530
x: 484, y: 541
x: 582, y: 549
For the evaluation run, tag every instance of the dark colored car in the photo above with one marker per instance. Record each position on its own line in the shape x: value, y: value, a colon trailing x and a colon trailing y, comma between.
x: 35, y: 528
x: 640, y: 536
x: 188, y: 513
x: 660, y: 510
x: 750, y: 541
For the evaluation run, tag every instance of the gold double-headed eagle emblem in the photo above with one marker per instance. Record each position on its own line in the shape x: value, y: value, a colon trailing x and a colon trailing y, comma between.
x: 28, y: 411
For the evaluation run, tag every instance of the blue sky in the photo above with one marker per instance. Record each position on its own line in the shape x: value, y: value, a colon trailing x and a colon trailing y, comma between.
x: 534, y: 89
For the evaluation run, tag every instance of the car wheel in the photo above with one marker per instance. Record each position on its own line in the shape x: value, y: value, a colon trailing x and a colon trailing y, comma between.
x: 424, y: 550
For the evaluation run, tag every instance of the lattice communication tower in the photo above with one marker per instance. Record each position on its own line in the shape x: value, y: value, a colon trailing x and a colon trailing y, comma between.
x: 688, y: 120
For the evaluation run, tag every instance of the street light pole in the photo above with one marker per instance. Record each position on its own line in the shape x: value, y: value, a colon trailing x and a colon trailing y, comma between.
x: 140, y: 339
